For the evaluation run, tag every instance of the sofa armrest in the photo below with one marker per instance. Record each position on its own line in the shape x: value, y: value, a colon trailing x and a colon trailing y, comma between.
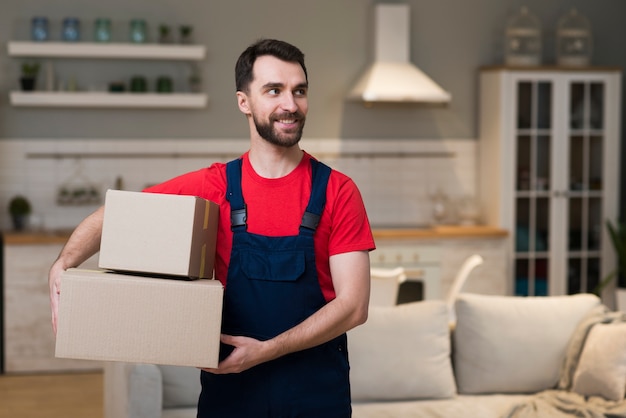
x: 132, y: 390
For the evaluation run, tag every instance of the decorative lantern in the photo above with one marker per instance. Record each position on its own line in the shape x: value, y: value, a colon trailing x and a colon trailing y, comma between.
x: 573, y: 43
x: 523, y: 39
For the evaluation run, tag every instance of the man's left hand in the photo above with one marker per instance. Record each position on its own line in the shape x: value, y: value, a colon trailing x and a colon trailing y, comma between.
x: 248, y: 353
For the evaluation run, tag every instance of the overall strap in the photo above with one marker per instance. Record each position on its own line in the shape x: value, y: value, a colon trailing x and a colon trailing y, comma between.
x: 320, y: 174
x: 238, y: 212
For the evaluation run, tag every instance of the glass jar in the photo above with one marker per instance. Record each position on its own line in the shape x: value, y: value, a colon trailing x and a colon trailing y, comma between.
x: 39, y: 29
x: 102, y: 30
x: 573, y: 40
x: 440, y: 206
x: 523, y: 39
x: 71, y: 29
x: 138, y: 31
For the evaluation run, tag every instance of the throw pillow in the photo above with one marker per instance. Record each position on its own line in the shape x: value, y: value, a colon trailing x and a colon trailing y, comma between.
x: 601, y: 370
x: 508, y: 344
x: 181, y: 386
x: 402, y: 352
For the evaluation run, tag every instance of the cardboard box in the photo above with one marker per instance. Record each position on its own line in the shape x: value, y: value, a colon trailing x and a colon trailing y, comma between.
x: 159, y: 234
x: 121, y: 317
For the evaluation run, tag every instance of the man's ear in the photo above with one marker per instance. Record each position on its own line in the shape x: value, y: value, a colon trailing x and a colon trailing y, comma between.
x: 242, y: 102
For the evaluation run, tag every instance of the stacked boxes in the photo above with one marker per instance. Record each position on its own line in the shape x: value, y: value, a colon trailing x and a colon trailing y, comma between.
x: 149, y: 309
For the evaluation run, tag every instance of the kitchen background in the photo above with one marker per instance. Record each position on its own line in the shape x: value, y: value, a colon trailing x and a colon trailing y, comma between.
x: 398, y: 154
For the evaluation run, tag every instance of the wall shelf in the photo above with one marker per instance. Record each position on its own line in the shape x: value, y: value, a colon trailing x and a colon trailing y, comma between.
x: 106, y: 50
x: 109, y: 100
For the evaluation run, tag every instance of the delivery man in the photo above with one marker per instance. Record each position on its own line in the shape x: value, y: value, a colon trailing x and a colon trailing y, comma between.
x: 293, y: 255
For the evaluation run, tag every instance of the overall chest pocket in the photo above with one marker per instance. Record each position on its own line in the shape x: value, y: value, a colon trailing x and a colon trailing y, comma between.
x: 275, y: 266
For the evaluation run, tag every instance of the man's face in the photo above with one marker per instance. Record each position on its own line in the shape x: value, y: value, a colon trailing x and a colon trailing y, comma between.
x: 277, y: 100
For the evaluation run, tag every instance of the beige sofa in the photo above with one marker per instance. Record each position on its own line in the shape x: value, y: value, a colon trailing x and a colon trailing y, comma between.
x: 506, y: 357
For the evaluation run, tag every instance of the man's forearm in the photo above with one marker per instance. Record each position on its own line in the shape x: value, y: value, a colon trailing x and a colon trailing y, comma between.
x: 329, y: 322
x: 82, y: 244
x: 84, y: 241
x: 349, y: 309
x: 332, y: 320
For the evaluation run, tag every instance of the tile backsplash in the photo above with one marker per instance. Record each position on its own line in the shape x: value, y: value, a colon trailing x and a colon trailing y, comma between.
x: 396, y: 177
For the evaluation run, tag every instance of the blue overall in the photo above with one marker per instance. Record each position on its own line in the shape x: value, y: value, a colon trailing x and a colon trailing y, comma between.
x: 272, y: 286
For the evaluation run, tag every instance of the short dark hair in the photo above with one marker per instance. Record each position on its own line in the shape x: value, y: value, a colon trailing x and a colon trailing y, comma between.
x: 279, y: 49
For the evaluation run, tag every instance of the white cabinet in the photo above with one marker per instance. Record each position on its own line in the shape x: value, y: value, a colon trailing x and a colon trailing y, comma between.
x: 549, y: 172
x: 421, y: 263
x: 435, y: 262
x: 28, y: 337
x: 87, y: 50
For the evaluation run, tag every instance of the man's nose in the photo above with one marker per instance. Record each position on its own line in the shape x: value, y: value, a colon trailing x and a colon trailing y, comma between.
x: 289, y: 103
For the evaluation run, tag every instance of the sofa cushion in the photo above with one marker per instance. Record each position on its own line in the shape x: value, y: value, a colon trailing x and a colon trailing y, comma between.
x: 181, y: 386
x: 180, y: 413
x: 601, y: 370
x: 506, y: 344
x: 462, y: 406
x: 402, y: 352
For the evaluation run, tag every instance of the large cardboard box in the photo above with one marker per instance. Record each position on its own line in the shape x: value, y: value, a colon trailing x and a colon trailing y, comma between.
x: 159, y: 233
x: 121, y: 317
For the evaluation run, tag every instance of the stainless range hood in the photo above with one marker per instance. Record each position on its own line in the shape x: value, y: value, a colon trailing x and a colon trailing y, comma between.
x: 392, y: 77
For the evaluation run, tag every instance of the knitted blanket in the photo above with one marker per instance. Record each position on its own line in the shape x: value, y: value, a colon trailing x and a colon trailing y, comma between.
x: 561, y: 402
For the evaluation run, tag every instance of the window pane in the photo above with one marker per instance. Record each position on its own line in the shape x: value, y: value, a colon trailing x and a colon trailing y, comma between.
x: 544, y: 105
x: 574, y: 276
x: 576, y: 163
x: 575, y: 223
x: 595, y: 162
x: 524, y: 105
x: 543, y: 221
x: 521, y: 278
x: 577, y: 108
x: 541, y: 277
x: 597, y: 106
x: 523, y: 162
x: 522, y: 233
x: 595, y: 224
x: 593, y: 274
x: 542, y: 182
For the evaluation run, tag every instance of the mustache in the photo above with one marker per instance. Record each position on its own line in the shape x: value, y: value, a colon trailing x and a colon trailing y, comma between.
x: 288, y: 115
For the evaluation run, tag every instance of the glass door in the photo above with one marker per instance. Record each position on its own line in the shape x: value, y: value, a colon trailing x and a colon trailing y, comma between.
x: 534, y: 151
x: 586, y: 141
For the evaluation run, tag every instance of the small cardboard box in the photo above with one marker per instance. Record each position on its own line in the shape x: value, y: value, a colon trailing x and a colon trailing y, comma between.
x: 159, y: 234
x: 121, y: 317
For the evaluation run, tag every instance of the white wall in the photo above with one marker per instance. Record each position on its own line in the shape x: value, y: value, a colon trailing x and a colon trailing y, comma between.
x: 395, y: 188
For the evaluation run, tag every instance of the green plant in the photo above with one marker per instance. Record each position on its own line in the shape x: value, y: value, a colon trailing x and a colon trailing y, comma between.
x: 28, y: 80
x: 19, y: 206
x: 164, y: 30
x: 30, y: 69
x: 185, y: 33
x: 185, y: 30
x: 617, y: 233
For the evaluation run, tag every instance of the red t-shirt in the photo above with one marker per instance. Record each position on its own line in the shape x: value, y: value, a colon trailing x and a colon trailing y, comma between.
x: 275, y: 208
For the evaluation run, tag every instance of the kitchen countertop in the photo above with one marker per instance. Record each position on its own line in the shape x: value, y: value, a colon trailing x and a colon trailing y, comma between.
x: 32, y: 237
x: 440, y: 231
x: 435, y: 232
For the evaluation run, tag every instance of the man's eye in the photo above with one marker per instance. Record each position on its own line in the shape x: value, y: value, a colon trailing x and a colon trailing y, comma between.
x: 273, y: 91
x: 300, y: 92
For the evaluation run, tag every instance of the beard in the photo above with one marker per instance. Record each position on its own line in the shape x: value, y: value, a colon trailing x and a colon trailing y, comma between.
x: 285, y: 139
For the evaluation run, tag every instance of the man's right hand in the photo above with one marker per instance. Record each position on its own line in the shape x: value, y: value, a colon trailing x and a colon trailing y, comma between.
x: 54, y: 281
x: 82, y: 244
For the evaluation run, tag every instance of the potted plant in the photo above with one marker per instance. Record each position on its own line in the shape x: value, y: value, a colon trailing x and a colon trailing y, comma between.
x: 185, y: 34
x: 617, y: 232
x: 20, y: 209
x: 28, y: 80
x: 165, y: 36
